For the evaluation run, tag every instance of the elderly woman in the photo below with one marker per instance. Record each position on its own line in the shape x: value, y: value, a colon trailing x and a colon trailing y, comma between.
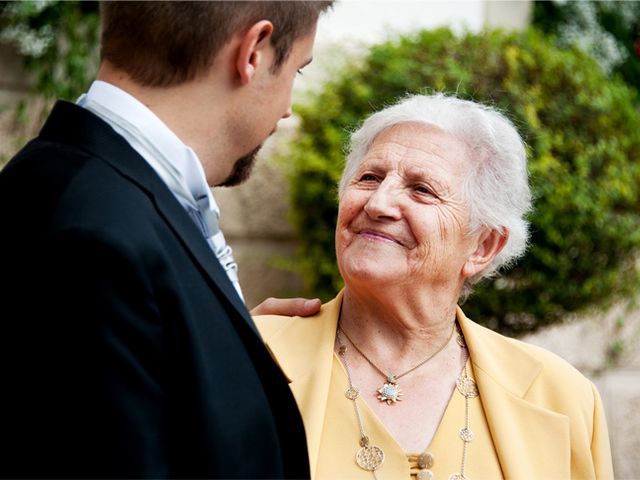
x: 392, y: 379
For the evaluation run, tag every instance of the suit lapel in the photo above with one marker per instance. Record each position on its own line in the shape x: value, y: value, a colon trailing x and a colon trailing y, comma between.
x: 81, y: 129
x: 194, y: 241
x: 304, y: 349
x: 531, y: 442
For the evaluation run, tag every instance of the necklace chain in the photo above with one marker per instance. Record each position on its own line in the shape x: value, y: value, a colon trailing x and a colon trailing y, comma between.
x: 371, y: 457
x: 352, y: 394
x: 415, y: 367
x: 390, y: 391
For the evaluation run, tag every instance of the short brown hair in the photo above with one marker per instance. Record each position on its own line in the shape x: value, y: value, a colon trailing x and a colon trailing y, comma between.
x: 167, y: 43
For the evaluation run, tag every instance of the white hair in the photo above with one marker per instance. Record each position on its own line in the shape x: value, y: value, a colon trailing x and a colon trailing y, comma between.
x: 497, y: 186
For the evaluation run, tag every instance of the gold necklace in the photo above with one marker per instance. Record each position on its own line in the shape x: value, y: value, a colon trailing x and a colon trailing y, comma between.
x: 390, y: 391
x: 368, y: 457
x: 468, y: 388
x: 371, y: 457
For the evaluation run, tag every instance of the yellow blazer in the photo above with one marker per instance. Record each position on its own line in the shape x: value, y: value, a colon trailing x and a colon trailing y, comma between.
x: 546, y: 419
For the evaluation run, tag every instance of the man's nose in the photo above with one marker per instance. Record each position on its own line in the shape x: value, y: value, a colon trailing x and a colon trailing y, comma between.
x: 288, y: 113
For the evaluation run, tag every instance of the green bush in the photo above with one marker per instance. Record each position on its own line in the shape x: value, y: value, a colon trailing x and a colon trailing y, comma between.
x: 610, y: 31
x: 583, y: 135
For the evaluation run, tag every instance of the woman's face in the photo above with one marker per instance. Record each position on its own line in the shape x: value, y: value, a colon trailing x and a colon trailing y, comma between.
x: 403, y: 218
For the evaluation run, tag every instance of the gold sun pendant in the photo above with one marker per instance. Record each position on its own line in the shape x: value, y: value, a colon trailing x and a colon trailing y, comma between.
x: 390, y: 392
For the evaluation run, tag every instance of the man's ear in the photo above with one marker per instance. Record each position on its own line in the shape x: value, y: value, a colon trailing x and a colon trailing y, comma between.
x: 490, y: 243
x: 252, y: 49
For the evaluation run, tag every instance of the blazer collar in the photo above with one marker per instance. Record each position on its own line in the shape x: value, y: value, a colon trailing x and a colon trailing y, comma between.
x: 77, y: 127
x: 531, y: 442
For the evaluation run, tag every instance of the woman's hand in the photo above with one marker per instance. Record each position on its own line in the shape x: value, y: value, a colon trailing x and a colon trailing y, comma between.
x: 291, y: 307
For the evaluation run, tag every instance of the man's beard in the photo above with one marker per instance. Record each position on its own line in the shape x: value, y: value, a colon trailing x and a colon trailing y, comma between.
x: 241, y: 169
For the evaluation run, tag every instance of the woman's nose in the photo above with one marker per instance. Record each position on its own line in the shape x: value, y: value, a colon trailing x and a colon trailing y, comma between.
x: 383, y: 202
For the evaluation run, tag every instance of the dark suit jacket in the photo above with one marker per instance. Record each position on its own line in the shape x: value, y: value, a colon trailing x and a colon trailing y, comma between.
x: 125, y: 351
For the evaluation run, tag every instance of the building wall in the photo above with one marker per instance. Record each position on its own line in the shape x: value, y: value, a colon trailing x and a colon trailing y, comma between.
x: 507, y: 14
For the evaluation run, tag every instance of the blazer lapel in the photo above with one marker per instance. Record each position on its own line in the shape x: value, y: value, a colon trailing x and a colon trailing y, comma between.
x: 531, y: 442
x: 80, y: 128
x: 304, y: 350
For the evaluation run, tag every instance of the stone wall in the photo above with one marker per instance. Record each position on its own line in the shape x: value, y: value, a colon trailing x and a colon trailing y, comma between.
x: 12, y: 87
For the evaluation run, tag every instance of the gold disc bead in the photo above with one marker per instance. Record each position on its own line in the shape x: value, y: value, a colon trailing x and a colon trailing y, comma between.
x: 370, y: 458
x: 466, y: 435
x: 467, y: 387
x: 425, y: 460
x: 352, y: 393
x: 425, y: 475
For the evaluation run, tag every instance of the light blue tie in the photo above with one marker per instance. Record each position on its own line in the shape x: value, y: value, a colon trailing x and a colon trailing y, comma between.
x: 208, y: 222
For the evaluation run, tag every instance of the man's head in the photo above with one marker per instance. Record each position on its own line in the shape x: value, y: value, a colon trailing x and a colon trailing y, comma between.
x: 219, y: 74
x: 166, y: 43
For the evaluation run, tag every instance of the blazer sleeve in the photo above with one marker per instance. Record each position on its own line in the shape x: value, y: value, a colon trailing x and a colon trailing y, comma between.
x: 600, y: 447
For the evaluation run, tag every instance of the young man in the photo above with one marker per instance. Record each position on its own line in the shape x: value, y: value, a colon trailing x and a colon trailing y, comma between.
x: 126, y: 348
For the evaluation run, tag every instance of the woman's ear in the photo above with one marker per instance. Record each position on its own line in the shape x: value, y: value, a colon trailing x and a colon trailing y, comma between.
x: 252, y: 49
x: 490, y: 243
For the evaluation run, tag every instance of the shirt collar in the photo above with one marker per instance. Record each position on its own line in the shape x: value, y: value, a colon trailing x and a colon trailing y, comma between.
x: 181, y: 156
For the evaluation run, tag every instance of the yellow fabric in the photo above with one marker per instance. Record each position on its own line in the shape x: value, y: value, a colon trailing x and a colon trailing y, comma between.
x: 340, y: 436
x: 546, y: 419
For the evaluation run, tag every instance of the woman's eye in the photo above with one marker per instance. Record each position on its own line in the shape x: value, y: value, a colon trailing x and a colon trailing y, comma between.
x: 368, y: 177
x: 423, y: 189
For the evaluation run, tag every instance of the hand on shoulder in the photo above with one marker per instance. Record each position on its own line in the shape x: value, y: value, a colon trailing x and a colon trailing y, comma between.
x: 291, y: 307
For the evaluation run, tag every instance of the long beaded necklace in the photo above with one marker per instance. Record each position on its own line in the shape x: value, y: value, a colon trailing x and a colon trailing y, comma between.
x: 370, y: 457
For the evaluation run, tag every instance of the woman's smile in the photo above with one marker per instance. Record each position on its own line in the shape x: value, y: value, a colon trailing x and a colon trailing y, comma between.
x: 377, y: 236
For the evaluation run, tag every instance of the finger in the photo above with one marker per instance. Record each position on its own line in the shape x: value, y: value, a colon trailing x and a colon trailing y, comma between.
x: 302, y: 307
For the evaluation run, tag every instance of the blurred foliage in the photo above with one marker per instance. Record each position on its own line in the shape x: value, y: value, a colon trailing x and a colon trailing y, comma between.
x: 58, y: 41
x: 583, y: 135
x: 609, y: 30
